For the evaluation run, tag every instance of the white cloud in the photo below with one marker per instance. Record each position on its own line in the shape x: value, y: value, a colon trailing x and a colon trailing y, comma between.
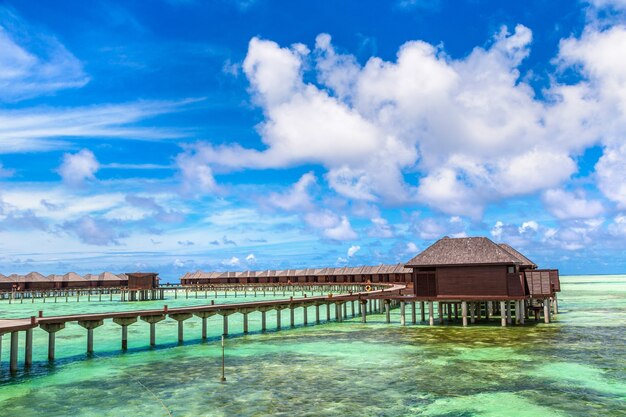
x: 380, y: 228
x: 566, y: 205
x: 42, y: 129
x: 234, y: 261
x: 611, y: 174
x: 297, y: 197
x: 25, y: 73
x: 342, y: 231
x: 251, y: 259
x: 529, y: 226
x: 79, y: 167
x: 352, y: 250
x: 411, y: 248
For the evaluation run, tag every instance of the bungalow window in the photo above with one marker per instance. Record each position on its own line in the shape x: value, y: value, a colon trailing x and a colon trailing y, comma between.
x: 511, y: 269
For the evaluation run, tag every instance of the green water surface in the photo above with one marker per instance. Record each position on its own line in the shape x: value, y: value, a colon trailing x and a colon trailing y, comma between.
x: 575, y: 366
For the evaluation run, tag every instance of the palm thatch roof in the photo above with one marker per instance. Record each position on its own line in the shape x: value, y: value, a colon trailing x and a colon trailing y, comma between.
x: 463, y: 251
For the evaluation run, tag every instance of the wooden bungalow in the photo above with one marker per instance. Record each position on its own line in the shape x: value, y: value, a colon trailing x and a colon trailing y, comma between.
x: 142, y: 280
x: 472, y: 267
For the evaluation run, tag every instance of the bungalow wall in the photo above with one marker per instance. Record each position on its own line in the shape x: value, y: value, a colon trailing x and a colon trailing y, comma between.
x: 478, y: 280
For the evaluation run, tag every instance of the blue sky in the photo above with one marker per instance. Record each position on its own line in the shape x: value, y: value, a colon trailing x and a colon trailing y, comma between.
x: 182, y: 135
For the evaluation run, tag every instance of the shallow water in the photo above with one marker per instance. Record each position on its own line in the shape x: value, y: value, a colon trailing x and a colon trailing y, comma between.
x: 573, y: 367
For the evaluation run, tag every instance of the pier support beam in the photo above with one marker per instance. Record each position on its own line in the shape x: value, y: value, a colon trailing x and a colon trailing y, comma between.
x: 546, y: 310
x: 402, y: 313
x: 278, y: 318
x: 317, y: 314
x: 464, y: 312
x: 180, y: 318
x: 508, y: 312
x: 422, y: 311
x: 204, y: 315
x: 245, y: 322
x: 292, y: 316
x: 153, y: 320
x: 363, y: 311
x: 388, y: 311
x: 431, y: 313
x: 522, y: 315
x: 503, y: 313
x: 124, y: 322
x: 305, y: 314
x: 13, y: 353
x: 413, y: 313
x: 90, y: 325
x: 440, y: 312
x: 28, y: 348
x: 472, y: 313
x: 52, y: 329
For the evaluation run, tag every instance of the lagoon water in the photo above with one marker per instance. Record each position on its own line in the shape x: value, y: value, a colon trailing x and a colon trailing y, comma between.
x: 573, y: 367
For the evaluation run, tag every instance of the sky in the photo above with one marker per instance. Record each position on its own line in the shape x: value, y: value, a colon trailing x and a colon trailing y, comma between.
x: 183, y: 135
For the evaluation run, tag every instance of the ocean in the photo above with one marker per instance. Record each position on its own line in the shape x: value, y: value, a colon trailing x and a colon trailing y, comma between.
x: 575, y: 366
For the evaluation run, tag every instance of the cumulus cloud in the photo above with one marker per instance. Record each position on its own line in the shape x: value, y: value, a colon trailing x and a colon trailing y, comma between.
x: 471, y: 128
x: 353, y: 250
x: 341, y: 231
x: 297, y: 197
x: 566, y: 205
x: 251, y: 259
x: 79, y: 167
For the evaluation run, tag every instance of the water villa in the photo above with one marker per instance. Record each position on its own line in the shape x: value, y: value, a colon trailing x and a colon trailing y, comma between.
x: 466, y: 279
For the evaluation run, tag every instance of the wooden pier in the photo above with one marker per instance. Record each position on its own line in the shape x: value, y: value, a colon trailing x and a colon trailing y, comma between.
x: 431, y: 310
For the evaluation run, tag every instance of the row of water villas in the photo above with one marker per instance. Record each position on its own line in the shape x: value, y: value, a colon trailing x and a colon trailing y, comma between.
x: 37, y: 281
x: 362, y: 274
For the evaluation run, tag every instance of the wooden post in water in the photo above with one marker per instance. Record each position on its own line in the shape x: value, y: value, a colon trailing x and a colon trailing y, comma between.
x: 546, y: 310
x: 503, y: 313
x: 422, y: 311
x: 153, y: 320
x: 402, y: 314
x: 52, y: 329
x: 464, y: 312
x: 431, y: 313
x: 13, y: 353
x: 90, y: 325
x: 124, y: 322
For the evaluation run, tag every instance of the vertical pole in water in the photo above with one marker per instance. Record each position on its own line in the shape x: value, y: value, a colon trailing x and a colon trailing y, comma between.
x: 364, y: 311
x: 304, y: 313
x: 431, y: 313
x: 546, y: 310
x: 317, y: 313
x: 472, y: 313
x: 522, y: 313
x: 508, y: 312
x: 225, y: 325
x: 422, y: 311
x: 327, y: 312
x: 413, y: 313
x: 463, y: 312
x: 503, y: 313
x: 13, y: 353
x: 291, y: 316
x: 245, y: 323
x: 387, y: 311
x: 223, y: 378
x: 278, y: 318
x: 263, y: 322
x: 440, y: 311
x: 352, y: 308
x: 402, y: 314
x: 28, y: 348
x: 489, y: 312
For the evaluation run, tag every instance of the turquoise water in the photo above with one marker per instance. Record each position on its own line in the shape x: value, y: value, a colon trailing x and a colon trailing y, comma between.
x: 573, y: 367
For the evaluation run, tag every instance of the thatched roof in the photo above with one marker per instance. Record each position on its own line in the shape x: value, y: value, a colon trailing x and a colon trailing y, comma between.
x: 463, y: 251
x: 524, y: 261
